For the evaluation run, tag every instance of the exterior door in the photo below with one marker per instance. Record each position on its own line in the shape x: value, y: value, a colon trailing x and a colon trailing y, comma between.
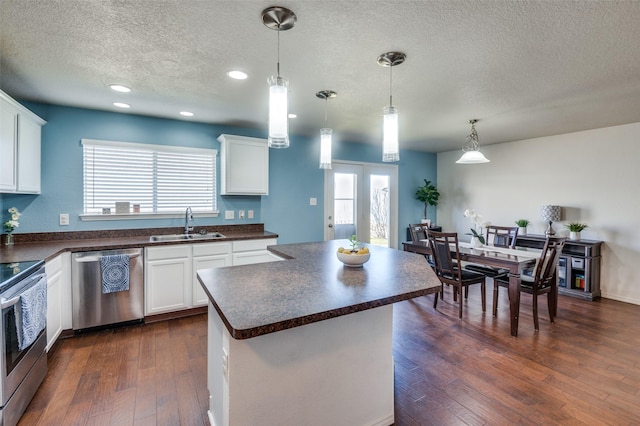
x: 361, y: 200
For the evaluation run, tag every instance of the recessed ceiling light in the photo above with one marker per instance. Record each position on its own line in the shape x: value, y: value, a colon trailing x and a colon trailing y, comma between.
x: 186, y: 113
x: 121, y: 105
x: 119, y: 88
x: 293, y: 115
x: 237, y: 75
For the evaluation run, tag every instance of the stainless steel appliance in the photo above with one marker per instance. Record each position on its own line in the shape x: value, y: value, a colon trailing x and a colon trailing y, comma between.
x: 21, y: 371
x: 92, y: 308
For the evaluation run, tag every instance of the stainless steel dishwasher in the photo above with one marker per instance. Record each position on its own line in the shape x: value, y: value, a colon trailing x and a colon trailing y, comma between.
x: 93, y: 308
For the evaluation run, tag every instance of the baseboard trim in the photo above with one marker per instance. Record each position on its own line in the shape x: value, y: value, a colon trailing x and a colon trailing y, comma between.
x: 176, y: 314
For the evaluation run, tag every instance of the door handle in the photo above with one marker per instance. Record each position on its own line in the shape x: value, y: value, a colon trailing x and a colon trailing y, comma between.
x: 330, y: 225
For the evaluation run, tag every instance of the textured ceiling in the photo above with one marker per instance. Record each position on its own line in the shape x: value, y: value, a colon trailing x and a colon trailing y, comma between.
x: 523, y: 68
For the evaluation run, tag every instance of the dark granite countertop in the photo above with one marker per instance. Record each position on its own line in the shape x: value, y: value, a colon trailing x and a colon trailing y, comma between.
x: 46, y: 246
x: 312, y: 285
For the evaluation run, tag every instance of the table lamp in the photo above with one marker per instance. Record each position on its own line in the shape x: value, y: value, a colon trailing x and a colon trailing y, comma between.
x: 551, y: 214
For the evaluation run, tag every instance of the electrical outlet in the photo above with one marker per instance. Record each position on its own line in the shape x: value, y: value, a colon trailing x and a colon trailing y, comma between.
x: 240, y: 214
x: 229, y: 214
x: 64, y: 219
x: 313, y: 201
x: 250, y: 214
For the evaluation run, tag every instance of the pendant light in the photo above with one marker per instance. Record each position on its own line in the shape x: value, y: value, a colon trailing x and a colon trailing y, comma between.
x: 390, y: 146
x: 471, y: 150
x: 326, y: 132
x: 279, y: 19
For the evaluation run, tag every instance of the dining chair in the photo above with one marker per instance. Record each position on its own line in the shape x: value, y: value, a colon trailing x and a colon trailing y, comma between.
x: 446, y: 257
x: 497, y: 236
x: 543, y: 278
x: 418, y: 232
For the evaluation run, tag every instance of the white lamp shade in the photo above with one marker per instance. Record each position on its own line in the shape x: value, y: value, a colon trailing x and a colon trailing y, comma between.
x: 472, y: 157
x: 390, y: 150
x: 278, y: 113
x: 325, y: 148
x: 549, y: 212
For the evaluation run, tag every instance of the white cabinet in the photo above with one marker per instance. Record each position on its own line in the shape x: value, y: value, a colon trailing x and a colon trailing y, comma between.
x: 246, y: 252
x: 205, y: 256
x: 171, y: 280
x: 20, y: 134
x: 58, y: 297
x: 167, y: 278
x: 244, y: 168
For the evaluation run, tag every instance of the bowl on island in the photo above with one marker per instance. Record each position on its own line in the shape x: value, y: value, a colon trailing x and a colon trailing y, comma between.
x: 352, y: 259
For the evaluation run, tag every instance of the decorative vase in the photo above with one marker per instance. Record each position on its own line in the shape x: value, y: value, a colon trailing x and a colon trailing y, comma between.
x: 475, y: 242
x: 522, y: 231
x: 574, y: 236
x: 8, y: 239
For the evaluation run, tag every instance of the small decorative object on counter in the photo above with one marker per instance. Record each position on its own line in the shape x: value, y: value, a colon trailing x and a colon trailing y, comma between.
x: 574, y: 230
x: 522, y: 226
x: 11, y: 225
x: 354, y: 257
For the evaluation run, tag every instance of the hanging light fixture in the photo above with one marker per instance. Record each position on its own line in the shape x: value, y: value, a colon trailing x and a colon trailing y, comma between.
x: 326, y: 132
x: 471, y: 150
x: 390, y: 147
x: 279, y: 19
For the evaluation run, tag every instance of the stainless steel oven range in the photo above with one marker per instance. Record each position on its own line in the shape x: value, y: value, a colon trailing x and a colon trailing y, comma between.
x: 21, y: 370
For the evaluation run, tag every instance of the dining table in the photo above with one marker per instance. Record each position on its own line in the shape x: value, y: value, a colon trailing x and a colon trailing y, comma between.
x: 515, y: 260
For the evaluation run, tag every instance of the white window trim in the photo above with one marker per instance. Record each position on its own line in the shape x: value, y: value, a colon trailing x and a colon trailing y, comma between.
x: 147, y: 216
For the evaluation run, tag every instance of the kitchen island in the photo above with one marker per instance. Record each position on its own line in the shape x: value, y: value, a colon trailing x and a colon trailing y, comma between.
x: 307, y: 340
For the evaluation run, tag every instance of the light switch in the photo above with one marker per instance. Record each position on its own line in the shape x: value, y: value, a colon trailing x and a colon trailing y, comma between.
x: 229, y: 214
x: 240, y: 214
x: 313, y: 201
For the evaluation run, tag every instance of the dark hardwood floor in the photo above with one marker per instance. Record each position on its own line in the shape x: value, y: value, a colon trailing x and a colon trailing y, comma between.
x: 584, y: 369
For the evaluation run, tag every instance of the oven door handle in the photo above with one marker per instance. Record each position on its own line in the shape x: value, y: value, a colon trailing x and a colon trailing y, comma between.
x: 5, y: 303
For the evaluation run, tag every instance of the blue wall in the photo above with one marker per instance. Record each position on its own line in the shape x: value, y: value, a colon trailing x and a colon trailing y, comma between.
x: 294, y: 174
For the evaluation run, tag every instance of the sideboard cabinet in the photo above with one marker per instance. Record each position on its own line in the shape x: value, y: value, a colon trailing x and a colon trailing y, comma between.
x: 578, y: 267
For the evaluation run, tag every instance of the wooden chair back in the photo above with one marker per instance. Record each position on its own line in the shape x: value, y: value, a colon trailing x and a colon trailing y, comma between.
x: 501, y: 236
x: 418, y: 232
x: 545, y: 269
x: 444, y: 262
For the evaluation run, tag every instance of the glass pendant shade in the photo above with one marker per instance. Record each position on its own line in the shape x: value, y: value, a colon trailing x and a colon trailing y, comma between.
x: 390, y: 151
x: 472, y: 157
x: 325, y: 148
x: 278, y: 113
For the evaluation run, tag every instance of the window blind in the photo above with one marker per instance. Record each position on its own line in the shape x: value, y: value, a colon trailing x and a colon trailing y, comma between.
x: 161, y: 179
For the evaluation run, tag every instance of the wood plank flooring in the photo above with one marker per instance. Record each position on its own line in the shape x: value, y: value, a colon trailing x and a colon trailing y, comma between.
x: 584, y: 369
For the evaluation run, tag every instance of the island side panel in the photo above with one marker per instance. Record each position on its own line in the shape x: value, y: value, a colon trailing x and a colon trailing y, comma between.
x: 338, y: 372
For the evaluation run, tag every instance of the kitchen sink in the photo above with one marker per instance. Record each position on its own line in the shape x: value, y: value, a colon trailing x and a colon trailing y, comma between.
x: 186, y: 237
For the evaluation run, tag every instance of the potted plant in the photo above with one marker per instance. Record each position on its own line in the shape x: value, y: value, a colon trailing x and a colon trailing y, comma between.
x: 522, y: 226
x: 429, y: 195
x: 574, y: 230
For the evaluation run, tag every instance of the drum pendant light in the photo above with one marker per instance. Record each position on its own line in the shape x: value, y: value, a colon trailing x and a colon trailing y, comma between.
x: 390, y: 145
x: 279, y: 19
x: 326, y: 132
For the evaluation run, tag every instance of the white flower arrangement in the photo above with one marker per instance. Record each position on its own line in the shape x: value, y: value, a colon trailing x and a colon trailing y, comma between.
x: 477, y: 223
x: 12, y: 224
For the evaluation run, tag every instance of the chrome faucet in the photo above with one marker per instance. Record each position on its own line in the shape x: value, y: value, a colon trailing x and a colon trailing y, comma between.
x: 188, y: 216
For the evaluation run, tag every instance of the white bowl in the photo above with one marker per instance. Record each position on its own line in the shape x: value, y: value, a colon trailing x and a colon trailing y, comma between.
x: 353, y: 260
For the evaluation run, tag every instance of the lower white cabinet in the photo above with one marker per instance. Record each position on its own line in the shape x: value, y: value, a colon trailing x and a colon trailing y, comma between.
x: 58, y: 297
x: 205, y: 256
x: 246, y: 252
x: 167, y: 279
x: 171, y: 280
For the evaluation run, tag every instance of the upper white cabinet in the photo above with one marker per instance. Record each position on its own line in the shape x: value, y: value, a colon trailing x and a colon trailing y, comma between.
x: 244, y: 166
x: 19, y: 147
